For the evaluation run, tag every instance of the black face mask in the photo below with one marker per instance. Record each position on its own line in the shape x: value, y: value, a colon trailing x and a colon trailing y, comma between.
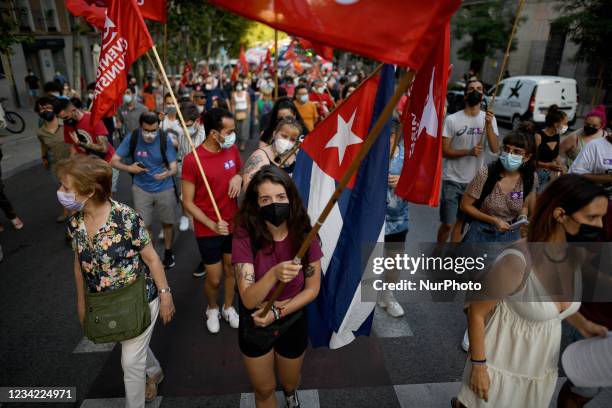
x: 473, y: 98
x: 275, y: 213
x: 586, y: 233
x: 590, y: 130
x: 47, y: 116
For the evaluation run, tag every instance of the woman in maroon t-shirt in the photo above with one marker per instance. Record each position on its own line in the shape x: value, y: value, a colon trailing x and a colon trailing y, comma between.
x: 270, y: 227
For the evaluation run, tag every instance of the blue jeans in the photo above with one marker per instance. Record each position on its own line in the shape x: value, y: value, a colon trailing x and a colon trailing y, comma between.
x: 482, y: 232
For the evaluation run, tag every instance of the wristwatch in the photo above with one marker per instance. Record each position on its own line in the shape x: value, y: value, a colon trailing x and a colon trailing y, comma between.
x: 165, y: 290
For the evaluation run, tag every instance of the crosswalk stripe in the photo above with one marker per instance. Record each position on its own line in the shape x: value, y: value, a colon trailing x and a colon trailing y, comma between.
x: 308, y: 399
x: 88, y: 346
x: 387, y: 326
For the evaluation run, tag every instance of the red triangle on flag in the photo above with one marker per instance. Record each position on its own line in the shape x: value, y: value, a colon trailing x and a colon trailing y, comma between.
x: 334, y: 143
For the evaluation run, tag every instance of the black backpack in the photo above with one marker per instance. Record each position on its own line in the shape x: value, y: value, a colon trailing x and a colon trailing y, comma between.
x: 163, y: 142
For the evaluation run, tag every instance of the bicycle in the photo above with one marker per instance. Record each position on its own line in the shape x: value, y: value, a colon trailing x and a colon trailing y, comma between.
x: 11, y: 121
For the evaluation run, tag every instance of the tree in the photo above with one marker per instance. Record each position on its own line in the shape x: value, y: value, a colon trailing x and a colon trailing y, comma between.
x: 197, y: 30
x: 9, y: 29
x: 588, y: 23
x: 488, y: 25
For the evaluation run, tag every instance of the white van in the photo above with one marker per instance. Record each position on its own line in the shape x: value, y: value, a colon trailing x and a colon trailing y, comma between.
x: 530, y: 96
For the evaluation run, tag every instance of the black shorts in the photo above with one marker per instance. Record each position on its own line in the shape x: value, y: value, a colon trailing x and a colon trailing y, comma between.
x: 213, y: 248
x: 290, y: 344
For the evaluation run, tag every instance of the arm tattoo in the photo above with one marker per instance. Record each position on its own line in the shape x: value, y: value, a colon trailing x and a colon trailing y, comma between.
x: 252, y: 164
x: 241, y: 273
x: 309, y: 272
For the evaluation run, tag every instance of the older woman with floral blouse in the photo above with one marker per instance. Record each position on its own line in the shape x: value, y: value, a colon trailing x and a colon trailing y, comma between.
x: 112, y: 249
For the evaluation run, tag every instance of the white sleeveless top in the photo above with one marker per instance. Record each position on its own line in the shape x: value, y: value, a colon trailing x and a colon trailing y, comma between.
x: 522, y: 345
x: 240, y: 102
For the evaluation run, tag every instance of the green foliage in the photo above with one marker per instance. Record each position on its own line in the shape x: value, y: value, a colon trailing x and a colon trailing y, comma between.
x: 488, y: 25
x: 192, y: 24
x: 589, y: 24
x: 9, y: 30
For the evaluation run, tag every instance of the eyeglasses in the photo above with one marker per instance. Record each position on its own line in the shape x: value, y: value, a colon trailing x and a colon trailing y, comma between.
x: 514, y: 150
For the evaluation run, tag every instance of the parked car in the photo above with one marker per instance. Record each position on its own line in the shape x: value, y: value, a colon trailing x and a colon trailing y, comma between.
x: 529, y: 97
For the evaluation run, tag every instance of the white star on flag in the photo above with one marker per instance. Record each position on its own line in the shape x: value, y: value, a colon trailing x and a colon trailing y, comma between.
x: 344, y: 136
x: 429, y: 117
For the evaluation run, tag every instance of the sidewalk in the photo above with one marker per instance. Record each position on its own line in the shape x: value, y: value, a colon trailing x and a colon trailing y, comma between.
x: 20, y: 151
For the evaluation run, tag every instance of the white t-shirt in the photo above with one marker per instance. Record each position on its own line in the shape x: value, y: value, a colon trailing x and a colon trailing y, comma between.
x: 595, y: 158
x: 173, y: 127
x: 465, y: 132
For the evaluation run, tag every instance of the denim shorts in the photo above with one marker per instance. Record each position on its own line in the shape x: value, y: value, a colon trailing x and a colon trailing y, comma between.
x: 449, y: 201
x: 483, y: 232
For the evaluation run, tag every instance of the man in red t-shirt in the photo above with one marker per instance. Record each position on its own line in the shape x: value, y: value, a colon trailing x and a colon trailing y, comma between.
x: 220, y: 160
x: 321, y: 98
x: 80, y: 134
x: 82, y: 137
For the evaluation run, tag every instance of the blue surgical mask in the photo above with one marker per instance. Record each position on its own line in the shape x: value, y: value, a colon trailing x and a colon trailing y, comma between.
x: 229, y: 141
x: 68, y: 200
x: 511, y: 162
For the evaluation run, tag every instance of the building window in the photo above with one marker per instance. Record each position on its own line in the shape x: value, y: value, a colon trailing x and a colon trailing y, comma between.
x: 554, y: 50
x: 23, y: 15
x: 50, y: 14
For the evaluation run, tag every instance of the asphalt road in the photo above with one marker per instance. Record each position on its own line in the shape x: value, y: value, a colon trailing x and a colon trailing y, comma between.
x: 414, y: 361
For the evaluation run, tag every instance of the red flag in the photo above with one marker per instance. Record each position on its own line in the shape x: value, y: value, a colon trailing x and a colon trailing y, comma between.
x: 290, y: 54
x: 423, y: 121
x: 394, y: 31
x: 125, y: 38
x: 319, y: 49
x: 244, y: 64
x: 234, y: 75
x: 94, y: 15
x: 186, y: 76
x: 154, y: 10
x: 150, y: 9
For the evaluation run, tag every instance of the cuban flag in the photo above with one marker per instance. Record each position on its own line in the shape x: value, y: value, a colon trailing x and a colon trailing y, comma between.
x: 337, y: 316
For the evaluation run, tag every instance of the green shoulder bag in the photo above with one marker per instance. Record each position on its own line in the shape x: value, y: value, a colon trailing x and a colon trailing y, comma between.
x: 119, y: 314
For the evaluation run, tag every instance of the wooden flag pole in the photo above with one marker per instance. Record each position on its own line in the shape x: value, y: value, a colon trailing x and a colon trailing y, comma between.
x: 404, y: 84
x: 193, y: 147
x: 502, y: 68
x: 275, y: 64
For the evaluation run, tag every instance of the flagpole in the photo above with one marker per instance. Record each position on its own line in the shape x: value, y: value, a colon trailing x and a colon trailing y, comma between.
x: 404, y: 84
x: 275, y: 64
x: 502, y: 68
x: 193, y: 148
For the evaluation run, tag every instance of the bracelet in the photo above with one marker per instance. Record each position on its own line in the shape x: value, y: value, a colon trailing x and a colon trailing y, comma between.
x: 165, y: 290
x: 478, y: 362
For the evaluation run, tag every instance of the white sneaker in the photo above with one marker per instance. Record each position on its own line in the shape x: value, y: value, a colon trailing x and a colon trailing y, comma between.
x: 391, y: 305
x: 465, y: 344
x: 161, y: 235
x: 212, y: 320
x: 231, y: 316
x: 395, y: 309
x: 184, y: 224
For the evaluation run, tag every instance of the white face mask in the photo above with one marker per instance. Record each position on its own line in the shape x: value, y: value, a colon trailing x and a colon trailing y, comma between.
x: 321, y: 89
x: 239, y: 88
x: 200, y: 108
x: 563, y: 129
x: 149, y: 136
x: 193, y: 129
x: 208, y: 87
x: 282, y: 146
